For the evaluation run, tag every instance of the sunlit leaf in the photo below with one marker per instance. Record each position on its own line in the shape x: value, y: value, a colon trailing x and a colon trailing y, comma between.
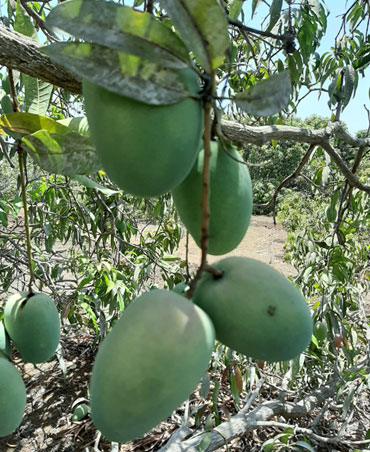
x: 235, y: 9
x: 66, y: 154
x: 21, y: 124
x: 121, y: 28
x: 124, y: 74
x: 23, y: 23
x: 266, y: 98
x: 89, y: 183
x: 78, y: 125
x: 203, y: 27
x: 37, y: 95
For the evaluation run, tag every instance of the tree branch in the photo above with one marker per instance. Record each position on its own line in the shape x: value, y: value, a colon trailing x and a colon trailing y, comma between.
x: 243, y: 423
x: 22, y: 53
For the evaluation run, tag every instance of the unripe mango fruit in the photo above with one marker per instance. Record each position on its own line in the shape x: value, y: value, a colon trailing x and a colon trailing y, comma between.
x: 320, y: 331
x: 148, y: 364
x: 33, y: 326
x: 12, y: 397
x: 230, y: 202
x: 4, y: 341
x: 255, y: 309
x: 145, y: 149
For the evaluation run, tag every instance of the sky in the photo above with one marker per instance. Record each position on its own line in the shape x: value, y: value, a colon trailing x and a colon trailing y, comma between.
x: 354, y: 115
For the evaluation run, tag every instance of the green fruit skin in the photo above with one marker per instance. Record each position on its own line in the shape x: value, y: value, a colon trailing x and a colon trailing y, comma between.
x: 256, y: 310
x: 12, y: 397
x: 4, y: 341
x: 321, y: 331
x: 80, y: 412
x: 231, y: 200
x: 149, y: 364
x: 145, y: 149
x: 33, y: 326
x: 181, y: 288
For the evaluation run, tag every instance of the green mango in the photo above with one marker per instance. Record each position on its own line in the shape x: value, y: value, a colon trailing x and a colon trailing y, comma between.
x: 4, y: 341
x: 33, y: 326
x: 230, y: 202
x: 148, y: 364
x: 80, y: 412
x: 12, y: 397
x: 181, y: 288
x: 145, y: 149
x: 321, y: 331
x: 255, y: 309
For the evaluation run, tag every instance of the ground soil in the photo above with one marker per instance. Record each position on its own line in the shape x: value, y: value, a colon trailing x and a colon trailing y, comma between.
x: 56, y: 387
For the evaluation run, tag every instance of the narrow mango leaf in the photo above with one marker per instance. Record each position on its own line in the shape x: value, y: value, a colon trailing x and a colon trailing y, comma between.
x: 23, y: 23
x: 205, y: 386
x: 305, y: 445
x: 349, y: 84
x: 21, y: 124
x: 275, y: 10
x: 203, y: 27
x: 235, y: 9
x: 89, y: 183
x: 124, y: 74
x: 66, y: 154
x: 238, y: 379
x: 267, y: 97
x: 205, y: 442
x: 121, y: 28
x: 37, y: 95
x: 255, y: 5
x: 78, y: 125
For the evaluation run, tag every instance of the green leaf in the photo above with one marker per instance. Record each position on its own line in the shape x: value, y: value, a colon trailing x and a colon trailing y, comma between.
x: 23, y: 23
x: 89, y: 183
x: 255, y: 5
x: 349, y: 84
x: 121, y: 28
x: 37, y: 95
x: 205, y: 442
x: 305, y: 445
x: 78, y: 125
x: 21, y: 124
x: 275, y: 10
x: 203, y: 27
x: 235, y: 9
x: 267, y: 97
x: 205, y: 385
x: 124, y: 74
x: 67, y: 154
x: 6, y: 105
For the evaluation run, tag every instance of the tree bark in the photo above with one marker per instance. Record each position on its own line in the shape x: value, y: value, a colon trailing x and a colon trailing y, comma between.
x: 243, y: 422
x: 22, y: 53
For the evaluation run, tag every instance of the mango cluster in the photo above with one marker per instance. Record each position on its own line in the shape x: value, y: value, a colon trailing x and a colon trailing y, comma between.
x: 158, y: 350
x: 31, y: 323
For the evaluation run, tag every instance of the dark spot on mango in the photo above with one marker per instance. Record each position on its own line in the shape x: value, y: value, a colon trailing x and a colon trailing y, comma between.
x: 271, y: 310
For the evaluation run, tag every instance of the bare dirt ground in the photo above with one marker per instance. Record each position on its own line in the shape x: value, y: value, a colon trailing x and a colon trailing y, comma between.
x: 54, y: 388
x: 263, y: 241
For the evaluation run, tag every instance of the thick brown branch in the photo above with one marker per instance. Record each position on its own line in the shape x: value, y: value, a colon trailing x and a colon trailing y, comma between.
x: 22, y: 53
